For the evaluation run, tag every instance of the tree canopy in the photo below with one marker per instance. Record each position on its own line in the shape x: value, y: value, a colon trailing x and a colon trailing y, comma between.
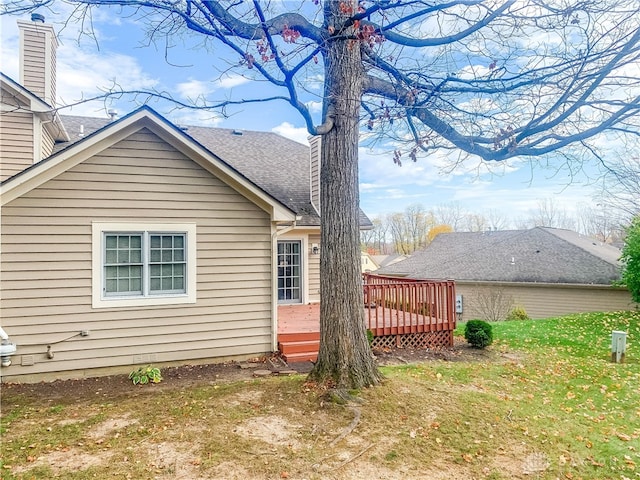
x: 631, y: 260
x: 497, y: 79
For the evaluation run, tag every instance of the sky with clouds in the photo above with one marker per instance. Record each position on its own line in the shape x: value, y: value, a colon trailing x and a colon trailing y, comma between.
x: 121, y: 55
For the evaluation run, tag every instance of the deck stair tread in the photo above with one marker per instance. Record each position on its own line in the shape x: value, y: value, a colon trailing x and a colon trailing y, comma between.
x: 299, y: 337
x: 287, y: 348
x: 300, y: 357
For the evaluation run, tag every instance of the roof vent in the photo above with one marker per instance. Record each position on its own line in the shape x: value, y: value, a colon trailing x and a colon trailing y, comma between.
x: 236, y: 132
x: 37, y: 17
x: 112, y: 114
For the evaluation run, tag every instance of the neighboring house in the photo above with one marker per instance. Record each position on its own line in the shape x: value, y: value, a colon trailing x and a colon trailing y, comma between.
x: 386, y: 260
x: 368, y: 262
x: 135, y: 241
x: 371, y: 263
x: 547, y: 271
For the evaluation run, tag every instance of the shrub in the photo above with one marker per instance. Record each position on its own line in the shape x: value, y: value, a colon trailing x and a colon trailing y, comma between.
x: 517, y: 313
x: 370, y: 337
x: 478, y: 333
x: 145, y: 375
x: 491, y: 304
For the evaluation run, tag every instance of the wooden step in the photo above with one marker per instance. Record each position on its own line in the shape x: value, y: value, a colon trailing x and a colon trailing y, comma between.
x: 301, y: 357
x: 299, y: 346
x: 311, y: 346
x: 298, y: 337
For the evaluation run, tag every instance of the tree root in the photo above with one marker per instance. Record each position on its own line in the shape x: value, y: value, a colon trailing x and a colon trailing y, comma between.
x: 349, y: 460
x: 350, y: 428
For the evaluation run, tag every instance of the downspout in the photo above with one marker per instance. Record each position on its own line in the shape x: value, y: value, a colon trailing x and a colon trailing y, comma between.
x: 274, y: 282
x: 6, y: 349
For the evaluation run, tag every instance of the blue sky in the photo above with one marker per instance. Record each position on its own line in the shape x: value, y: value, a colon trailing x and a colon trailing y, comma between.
x: 85, y: 67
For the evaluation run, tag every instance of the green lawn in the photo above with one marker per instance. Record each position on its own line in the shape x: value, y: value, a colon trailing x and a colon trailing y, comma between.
x: 543, y: 402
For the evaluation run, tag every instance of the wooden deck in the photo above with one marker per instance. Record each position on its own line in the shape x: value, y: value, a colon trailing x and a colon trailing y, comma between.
x: 399, y: 313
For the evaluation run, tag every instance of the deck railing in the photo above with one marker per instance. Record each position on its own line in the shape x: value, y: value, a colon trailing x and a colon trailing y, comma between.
x: 396, y: 306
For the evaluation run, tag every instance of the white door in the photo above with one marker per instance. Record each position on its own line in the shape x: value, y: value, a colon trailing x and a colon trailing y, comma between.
x: 290, y: 271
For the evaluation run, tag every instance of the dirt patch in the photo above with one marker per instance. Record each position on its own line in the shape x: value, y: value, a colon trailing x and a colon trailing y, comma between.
x: 104, y: 429
x: 173, y: 460
x: 273, y: 430
x: 68, y: 459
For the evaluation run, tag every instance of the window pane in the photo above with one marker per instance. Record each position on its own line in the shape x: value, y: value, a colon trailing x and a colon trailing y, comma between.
x: 123, y: 241
x: 167, y: 283
x: 112, y: 241
x: 111, y: 256
x: 167, y: 256
x: 136, y: 256
x: 136, y: 271
x: 110, y: 285
x: 178, y: 241
x: 154, y: 284
x: 136, y: 284
x: 154, y: 256
x: 123, y: 256
x: 178, y: 283
x: 154, y: 241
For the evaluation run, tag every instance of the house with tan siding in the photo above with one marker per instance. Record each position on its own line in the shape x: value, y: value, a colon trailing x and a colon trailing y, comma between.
x: 135, y: 241
x: 547, y: 271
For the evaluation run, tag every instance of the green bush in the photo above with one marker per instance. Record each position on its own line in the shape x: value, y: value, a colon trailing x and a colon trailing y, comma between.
x: 370, y: 337
x: 517, y: 313
x: 478, y: 333
x: 145, y: 375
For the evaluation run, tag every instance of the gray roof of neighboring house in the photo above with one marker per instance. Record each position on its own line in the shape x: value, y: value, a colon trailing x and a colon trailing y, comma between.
x: 276, y: 164
x: 542, y: 255
x: 386, y: 260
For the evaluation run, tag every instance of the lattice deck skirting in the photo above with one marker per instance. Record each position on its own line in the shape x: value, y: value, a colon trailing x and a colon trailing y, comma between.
x: 441, y: 339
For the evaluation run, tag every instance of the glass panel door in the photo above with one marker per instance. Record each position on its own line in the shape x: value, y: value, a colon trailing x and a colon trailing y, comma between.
x: 289, y: 271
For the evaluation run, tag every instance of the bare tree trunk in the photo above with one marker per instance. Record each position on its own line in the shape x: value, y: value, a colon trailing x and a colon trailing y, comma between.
x: 345, y: 357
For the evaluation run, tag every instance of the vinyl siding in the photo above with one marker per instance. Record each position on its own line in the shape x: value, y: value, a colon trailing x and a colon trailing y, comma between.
x: 38, y: 57
x: 315, y: 144
x: 47, y: 144
x: 16, y: 143
x: 46, y: 265
x: 544, y: 301
x: 314, y: 270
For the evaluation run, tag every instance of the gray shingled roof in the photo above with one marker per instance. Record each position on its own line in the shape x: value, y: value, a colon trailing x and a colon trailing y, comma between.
x: 543, y: 255
x: 274, y: 163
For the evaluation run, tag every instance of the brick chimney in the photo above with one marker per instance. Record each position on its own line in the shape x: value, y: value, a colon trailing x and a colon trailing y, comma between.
x: 38, y: 45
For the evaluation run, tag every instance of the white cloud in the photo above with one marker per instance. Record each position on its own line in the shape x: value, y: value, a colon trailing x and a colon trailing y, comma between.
x: 299, y: 134
x: 194, y: 89
x: 200, y: 90
x: 9, y: 47
x: 314, y: 107
x: 230, y: 81
x: 205, y: 118
x: 84, y: 74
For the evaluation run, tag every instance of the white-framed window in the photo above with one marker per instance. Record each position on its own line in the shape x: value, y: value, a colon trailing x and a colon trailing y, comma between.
x: 137, y: 264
